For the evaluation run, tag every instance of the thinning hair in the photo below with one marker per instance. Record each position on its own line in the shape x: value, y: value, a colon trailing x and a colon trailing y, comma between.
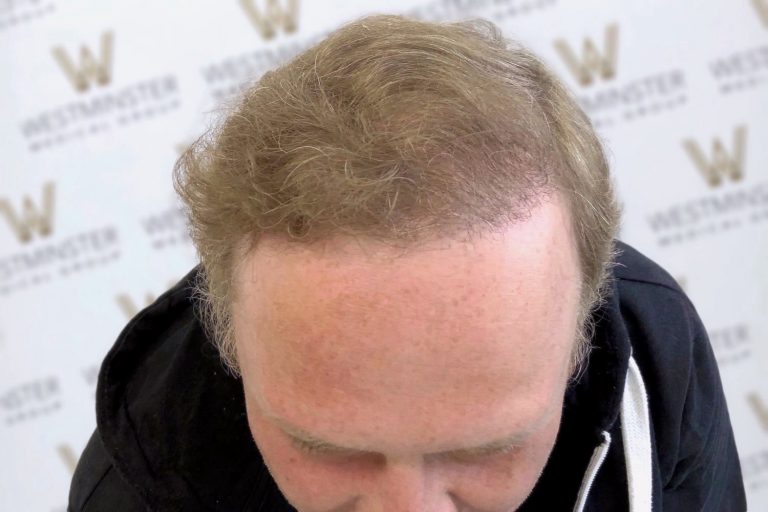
x: 398, y: 131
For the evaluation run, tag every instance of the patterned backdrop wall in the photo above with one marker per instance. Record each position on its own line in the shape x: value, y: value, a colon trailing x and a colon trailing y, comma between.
x: 97, y: 102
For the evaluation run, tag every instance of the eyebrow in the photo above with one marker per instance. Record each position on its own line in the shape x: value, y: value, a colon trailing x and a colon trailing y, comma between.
x: 321, y: 445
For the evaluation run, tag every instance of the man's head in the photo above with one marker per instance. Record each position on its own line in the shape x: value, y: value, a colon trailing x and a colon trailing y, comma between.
x: 402, y: 231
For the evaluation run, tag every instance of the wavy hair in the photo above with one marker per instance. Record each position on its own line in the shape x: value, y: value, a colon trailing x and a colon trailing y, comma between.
x: 395, y: 130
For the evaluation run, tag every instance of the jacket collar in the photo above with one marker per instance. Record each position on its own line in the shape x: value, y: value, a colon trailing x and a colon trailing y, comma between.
x: 173, y: 420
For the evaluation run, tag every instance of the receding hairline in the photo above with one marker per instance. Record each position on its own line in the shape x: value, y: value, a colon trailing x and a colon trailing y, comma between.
x: 230, y: 183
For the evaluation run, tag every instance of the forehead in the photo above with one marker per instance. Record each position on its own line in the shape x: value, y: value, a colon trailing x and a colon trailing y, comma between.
x: 351, y: 345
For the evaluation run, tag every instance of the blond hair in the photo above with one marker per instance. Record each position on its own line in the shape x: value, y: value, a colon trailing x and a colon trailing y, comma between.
x: 399, y: 131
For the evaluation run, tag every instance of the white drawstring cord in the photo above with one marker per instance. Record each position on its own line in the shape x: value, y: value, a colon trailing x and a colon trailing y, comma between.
x: 636, y: 436
x: 598, y: 456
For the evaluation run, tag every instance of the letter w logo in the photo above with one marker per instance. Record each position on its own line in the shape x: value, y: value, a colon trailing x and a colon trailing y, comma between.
x: 90, y: 69
x: 130, y: 308
x: 761, y: 6
x: 759, y: 408
x: 592, y: 62
x: 68, y: 456
x: 31, y: 219
x: 274, y: 16
x: 722, y: 163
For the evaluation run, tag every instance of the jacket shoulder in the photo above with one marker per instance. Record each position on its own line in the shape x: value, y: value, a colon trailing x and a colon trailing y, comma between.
x: 97, y: 486
x: 692, y: 434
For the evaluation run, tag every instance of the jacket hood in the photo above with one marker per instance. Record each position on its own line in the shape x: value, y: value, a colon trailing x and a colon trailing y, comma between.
x: 173, y: 420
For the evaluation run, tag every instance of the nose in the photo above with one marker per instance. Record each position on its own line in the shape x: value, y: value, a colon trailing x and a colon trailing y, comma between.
x: 409, y: 485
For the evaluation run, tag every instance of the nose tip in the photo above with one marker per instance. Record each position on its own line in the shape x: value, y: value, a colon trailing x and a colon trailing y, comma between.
x: 437, y: 503
x: 448, y: 502
x: 349, y: 506
x: 409, y: 486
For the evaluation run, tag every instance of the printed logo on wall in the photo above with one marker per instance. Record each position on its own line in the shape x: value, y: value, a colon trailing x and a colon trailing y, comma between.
x: 498, y: 11
x: 593, y: 62
x: 759, y: 408
x: 68, y: 456
x: 96, y: 114
x: 228, y: 76
x: 741, y: 69
x: 90, y: 375
x: 41, y: 262
x: 761, y: 6
x: 31, y: 400
x: 167, y: 229
x: 130, y: 308
x: 89, y: 70
x: 754, y: 467
x: 606, y: 99
x: 31, y: 219
x: 731, y: 344
x: 723, y: 163
x: 733, y: 205
x: 17, y: 12
x: 274, y: 15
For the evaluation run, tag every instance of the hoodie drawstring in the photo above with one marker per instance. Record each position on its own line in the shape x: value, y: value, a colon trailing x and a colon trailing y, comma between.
x: 598, y: 456
x: 636, y: 436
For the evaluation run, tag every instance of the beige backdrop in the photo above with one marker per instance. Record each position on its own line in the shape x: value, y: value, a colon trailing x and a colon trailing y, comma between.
x: 96, y: 102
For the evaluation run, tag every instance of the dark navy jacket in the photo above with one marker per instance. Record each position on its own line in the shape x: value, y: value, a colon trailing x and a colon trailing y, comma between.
x: 172, y: 433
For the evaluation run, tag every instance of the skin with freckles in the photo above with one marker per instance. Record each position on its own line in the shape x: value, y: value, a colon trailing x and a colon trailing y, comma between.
x: 408, y: 366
